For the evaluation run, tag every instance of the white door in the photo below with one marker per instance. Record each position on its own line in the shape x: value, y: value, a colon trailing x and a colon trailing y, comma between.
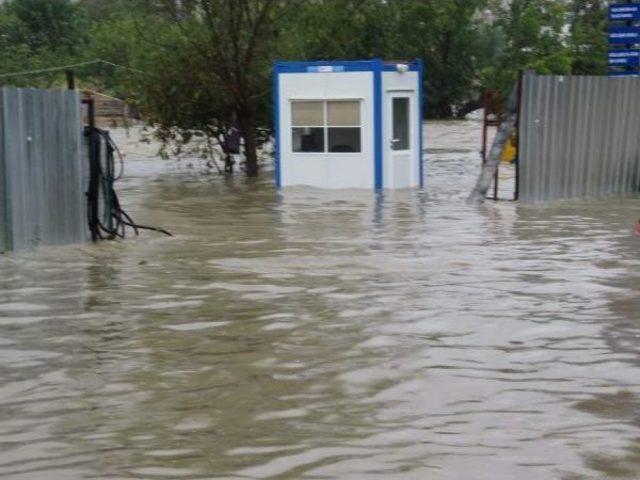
x: 401, y: 142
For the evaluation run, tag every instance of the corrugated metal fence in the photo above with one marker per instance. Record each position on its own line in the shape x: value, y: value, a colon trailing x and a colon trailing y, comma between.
x: 42, y: 168
x: 579, y: 136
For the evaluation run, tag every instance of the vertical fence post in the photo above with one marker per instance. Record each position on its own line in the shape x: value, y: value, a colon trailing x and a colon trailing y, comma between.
x: 93, y: 146
x: 516, y: 191
x: 496, y: 177
x: 485, y: 120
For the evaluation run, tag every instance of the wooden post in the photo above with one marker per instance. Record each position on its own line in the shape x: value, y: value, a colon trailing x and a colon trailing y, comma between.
x: 71, y: 79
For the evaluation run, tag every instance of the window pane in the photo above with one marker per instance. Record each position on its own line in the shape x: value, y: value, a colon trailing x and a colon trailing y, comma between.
x: 344, y: 140
x: 400, y: 139
x: 308, y: 139
x: 343, y: 114
x: 307, y: 114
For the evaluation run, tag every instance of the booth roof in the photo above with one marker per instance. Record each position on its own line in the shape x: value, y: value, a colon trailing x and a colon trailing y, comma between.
x: 344, y: 66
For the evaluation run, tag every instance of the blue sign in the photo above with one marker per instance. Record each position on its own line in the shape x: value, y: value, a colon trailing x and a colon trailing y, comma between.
x: 624, y: 35
x: 325, y: 69
x: 624, y: 74
x: 624, y: 12
x: 624, y: 58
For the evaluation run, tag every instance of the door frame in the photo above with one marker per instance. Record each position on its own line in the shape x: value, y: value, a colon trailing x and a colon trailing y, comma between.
x: 413, y: 98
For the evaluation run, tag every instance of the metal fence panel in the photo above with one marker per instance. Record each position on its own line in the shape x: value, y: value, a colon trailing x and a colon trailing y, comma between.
x: 41, y: 152
x: 579, y: 137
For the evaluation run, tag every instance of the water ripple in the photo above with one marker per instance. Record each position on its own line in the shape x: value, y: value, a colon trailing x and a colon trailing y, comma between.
x: 318, y: 334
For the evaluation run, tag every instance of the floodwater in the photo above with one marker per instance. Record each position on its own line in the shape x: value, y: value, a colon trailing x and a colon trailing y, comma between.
x: 327, y: 335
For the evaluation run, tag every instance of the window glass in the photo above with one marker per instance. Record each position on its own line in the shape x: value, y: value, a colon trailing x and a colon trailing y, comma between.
x: 337, y: 130
x: 400, y: 124
x: 308, y: 139
x: 307, y: 114
x: 344, y: 139
x: 343, y: 114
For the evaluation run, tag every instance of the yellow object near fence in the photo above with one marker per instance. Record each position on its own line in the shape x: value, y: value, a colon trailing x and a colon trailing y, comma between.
x: 510, y: 152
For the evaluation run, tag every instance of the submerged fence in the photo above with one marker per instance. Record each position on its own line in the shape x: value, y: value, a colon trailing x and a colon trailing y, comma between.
x: 578, y: 136
x: 42, y: 171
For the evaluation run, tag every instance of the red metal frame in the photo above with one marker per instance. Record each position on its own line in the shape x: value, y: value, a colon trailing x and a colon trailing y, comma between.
x: 493, y: 104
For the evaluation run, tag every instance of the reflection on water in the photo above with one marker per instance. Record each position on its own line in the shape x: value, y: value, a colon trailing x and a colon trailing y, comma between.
x: 327, y: 335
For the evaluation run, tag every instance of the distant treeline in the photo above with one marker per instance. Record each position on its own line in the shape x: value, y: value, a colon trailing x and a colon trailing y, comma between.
x: 196, y: 66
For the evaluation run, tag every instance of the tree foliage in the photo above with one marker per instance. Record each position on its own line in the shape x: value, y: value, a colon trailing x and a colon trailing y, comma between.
x: 40, y: 33
x: 588, y: 44
x: 220, y: 52
x: 195, y: 67
x: 57, y: 25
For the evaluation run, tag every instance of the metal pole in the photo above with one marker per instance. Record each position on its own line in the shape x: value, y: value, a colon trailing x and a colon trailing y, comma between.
x: 495, y: 183
x: 497, y: 173
x: 93, y: 144
x: 485, y: 119
x: 91, y: 111
x: 516, y: 192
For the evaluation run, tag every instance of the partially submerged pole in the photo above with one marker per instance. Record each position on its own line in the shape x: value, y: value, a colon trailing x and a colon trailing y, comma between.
x: 505, y: 131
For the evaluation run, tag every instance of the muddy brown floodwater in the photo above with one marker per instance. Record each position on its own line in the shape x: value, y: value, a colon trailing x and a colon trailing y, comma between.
x: 327, y: 335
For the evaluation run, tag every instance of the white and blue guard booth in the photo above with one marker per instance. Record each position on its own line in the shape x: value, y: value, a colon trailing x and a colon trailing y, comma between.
x: 348, y: 124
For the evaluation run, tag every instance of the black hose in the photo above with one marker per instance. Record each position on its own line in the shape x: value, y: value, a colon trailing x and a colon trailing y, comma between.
x: 110, y: 221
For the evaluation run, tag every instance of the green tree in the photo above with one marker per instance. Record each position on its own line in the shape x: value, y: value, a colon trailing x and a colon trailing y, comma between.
x: 337, y: 29
x: 56, y: 25
x: 212, y: 66
x: 589, y: 37
x: 443, y: 34
x: 39, y: 34
x: 195, y: 67
x: 535, y: 39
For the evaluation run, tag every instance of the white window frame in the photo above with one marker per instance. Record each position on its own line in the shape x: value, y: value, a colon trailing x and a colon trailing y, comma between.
x: 409, y: 117
x: 325, y: 127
